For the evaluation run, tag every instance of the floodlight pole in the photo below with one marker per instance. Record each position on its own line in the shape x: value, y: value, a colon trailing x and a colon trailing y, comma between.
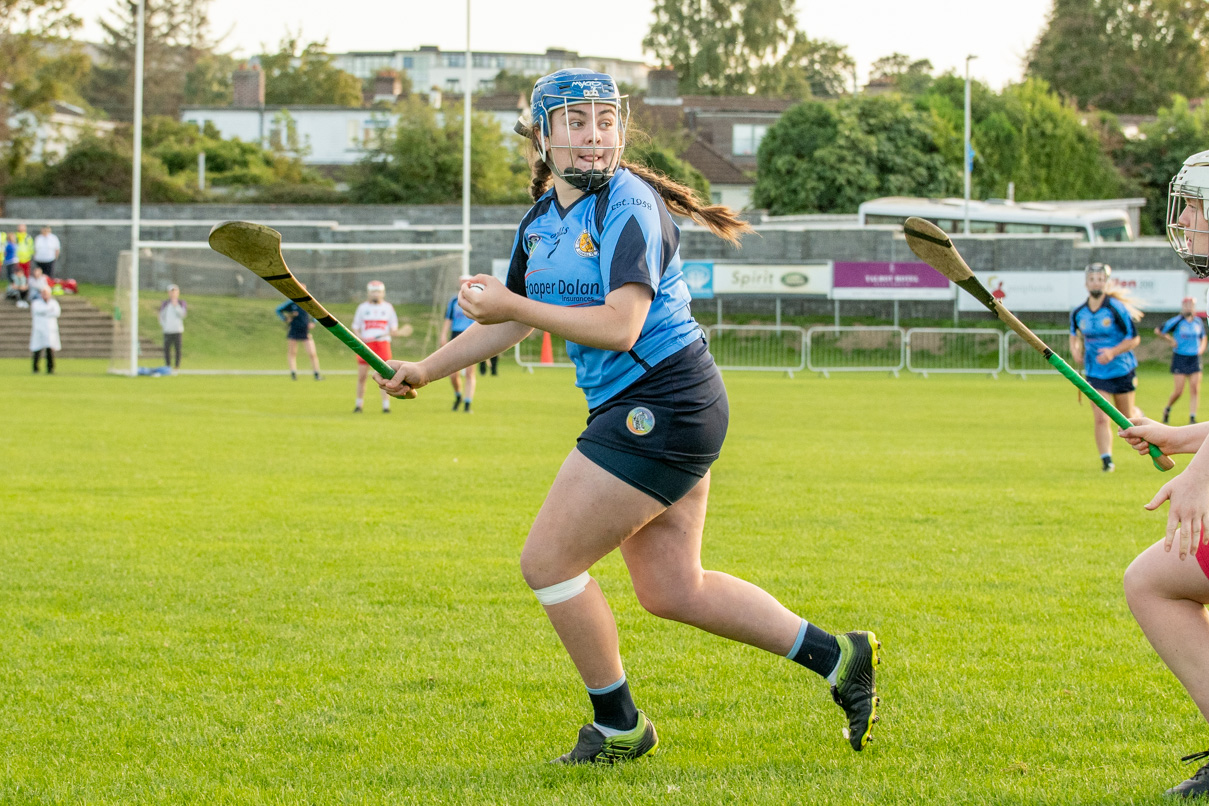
x: 965, y: 155
x: 136, y: 190
x: 466, y: 152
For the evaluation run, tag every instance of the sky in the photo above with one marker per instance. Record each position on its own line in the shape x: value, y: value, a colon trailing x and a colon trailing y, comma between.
x: 942, y: 31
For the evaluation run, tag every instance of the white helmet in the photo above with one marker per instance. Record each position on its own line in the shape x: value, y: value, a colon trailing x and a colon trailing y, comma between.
x: 1187, y: 230
x: 375, y: 285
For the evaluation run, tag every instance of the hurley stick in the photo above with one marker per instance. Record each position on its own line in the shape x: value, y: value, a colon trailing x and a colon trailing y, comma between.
x: 258, y: 248
x: 930, y: 243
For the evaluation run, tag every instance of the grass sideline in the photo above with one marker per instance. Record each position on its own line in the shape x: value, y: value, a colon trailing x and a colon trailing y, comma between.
x: 232, y: 590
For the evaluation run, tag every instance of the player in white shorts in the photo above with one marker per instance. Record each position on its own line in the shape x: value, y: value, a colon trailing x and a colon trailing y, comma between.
x: 375, y: 322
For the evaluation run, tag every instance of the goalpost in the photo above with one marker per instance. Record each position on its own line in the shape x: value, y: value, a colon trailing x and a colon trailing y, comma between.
x: 420, y: 280
x: 126, y: 310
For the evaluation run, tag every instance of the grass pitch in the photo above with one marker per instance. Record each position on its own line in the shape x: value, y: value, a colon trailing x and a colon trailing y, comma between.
x: 233, y: 590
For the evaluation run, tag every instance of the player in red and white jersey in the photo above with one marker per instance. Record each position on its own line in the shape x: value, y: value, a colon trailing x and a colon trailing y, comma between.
x: 375, y: 322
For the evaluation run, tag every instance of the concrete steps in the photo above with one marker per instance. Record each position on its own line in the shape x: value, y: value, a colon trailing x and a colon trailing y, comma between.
x: 85, y: 331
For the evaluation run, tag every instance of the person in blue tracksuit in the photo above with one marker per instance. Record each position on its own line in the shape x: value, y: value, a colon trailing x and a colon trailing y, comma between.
x: 596, y: 261
x: 299, y: 324
x: 1103, y: 337
x: 457, y: 322
x: 1186, y: 334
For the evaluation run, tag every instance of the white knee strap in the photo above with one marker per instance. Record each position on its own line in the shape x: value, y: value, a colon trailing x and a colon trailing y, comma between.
x: 563, y: 591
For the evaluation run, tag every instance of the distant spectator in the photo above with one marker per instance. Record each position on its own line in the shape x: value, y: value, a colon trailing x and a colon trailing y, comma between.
x: 37, y: 281
x: 300, y: 323
x: 25, y: 248
x: 9, y: 252
x: 44, y: 334
x: 18, y: 289
x: 46, y: 251
x: 172, y: 323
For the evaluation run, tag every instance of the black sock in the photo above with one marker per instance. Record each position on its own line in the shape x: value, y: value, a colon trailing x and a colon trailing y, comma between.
x: 815, y: 649
x: 613, y: 706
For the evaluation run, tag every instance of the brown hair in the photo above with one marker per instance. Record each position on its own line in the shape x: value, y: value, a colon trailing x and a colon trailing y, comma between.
x: 680, y: 199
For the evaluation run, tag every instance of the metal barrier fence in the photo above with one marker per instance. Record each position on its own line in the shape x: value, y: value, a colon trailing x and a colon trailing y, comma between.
x: 938, y: 349
x: 528, y: 352
x: 855, y: 349
x: 758, y: 347
x: 826, y: 349
x: 1022, y: 360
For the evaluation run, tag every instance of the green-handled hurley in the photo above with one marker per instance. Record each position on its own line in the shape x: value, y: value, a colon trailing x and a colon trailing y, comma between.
x: 930, y: 243
x: 258, y: 248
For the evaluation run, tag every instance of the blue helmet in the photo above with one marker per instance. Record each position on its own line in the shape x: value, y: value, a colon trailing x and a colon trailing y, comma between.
x: 568, y: 87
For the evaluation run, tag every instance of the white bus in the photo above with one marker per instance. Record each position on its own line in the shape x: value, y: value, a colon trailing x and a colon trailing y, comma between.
x: 1094, y: 223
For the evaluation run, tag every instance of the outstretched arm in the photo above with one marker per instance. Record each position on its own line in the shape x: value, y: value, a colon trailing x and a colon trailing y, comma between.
x: 615, y: 325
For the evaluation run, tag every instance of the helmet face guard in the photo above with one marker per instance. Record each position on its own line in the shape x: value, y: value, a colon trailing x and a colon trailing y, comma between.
x: 1187, y: 228
x: 592, y: 95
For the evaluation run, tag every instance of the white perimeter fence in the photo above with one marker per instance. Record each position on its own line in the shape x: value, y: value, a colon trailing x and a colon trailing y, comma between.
x: 826, y: 349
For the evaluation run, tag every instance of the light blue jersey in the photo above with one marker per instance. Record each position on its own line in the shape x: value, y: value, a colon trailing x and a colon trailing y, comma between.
x: 1187, y: 333
x: 1107, y: 326
x: 454, y: 313
x: 619, y: 234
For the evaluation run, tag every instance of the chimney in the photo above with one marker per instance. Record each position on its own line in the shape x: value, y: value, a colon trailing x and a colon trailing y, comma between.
x: 248, y: 85
x: 663, y: 88
x: 387, y: 86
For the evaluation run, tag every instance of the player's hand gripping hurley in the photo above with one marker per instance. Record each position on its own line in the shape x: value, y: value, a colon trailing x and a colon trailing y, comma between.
x: 258, y: 248
x: 930, y: 243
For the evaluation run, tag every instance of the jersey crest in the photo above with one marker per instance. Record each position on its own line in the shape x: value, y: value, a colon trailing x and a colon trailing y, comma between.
x: 531, y: 241
x: 584, y: 247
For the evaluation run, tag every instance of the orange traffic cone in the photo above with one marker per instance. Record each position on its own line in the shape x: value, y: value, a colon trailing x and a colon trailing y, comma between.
x: 547, y: 349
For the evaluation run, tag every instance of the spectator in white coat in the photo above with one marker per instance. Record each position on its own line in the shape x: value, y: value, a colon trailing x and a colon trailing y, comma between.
x: 44, y: 335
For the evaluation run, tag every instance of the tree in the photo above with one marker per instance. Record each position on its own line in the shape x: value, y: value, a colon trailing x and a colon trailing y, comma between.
x: 663, y: 158
x: 419, y: 161
x: 1026, y: 135
x: 810, y: 68
x: 899, y: 71
x: 176, y: 39
x: 515, y: 83
x: 829, y: 157
x: 307, y: 75
x: 1151, y: 161
x: 719, y: 46
x: 38, y: 65
x: 209, y: 81
x: 100, y: 167
x: 1125, y: 56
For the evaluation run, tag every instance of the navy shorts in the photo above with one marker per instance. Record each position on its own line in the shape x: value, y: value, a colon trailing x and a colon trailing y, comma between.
x: 1185, y: 364
x: 1115, y: 386
x: 453, y: 334
x: 661, y: 434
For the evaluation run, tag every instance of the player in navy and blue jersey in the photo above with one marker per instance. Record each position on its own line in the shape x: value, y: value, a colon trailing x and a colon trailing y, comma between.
x: 1103, y: 337
x: 1186, y: 333
x: 597, y: 262
x: 456, y: 322
x: 299, y: 332
x: 1167, y: 590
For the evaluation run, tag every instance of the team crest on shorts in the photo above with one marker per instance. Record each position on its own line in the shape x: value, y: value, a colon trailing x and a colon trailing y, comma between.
x: 584, y: 246
x: 640, y: 421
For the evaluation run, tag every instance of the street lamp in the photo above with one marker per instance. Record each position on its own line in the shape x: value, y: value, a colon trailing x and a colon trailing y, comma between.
x: 967, y: 157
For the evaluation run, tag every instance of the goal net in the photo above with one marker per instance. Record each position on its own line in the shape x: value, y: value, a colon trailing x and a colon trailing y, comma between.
x: 231, y: 324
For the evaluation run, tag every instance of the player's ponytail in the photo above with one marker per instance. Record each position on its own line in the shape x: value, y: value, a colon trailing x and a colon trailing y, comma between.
x: 1122, y: 296
x: 680, y: 199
